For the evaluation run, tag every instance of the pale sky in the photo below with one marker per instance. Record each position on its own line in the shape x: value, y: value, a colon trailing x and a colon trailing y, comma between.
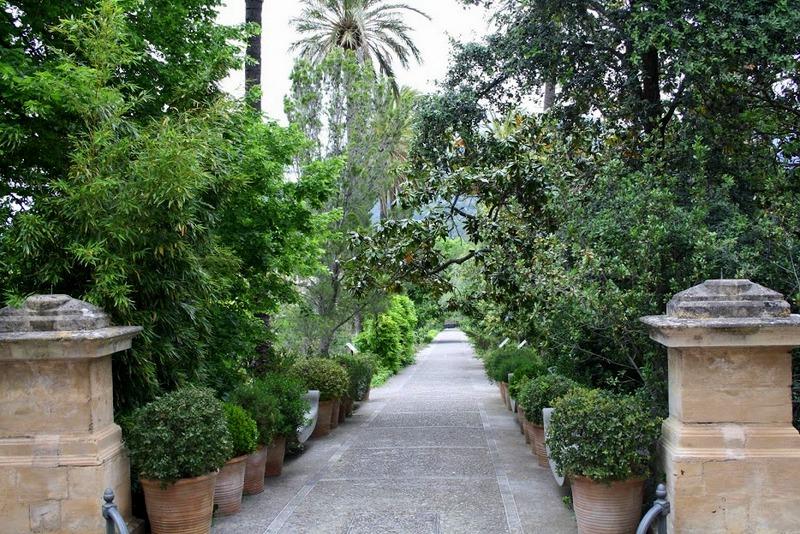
x: 448, y: 18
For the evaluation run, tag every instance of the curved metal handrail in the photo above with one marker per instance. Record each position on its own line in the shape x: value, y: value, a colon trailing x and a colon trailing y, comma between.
x: 658, y: 512
x: 114, y: 521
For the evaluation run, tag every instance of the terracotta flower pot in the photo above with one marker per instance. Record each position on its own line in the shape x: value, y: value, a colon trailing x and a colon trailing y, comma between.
x: 229, y: 486
x: 521, y: 419
x: 254, y: 472
x: 323, y: 427
x: 343, y: 410
x: 184, y: 507
x: 504, y: 393
x: 275, y: 454
x: 528, y: 431
x: 366, y: 395
x: 602, y: 508
x: 349, y: 411
x: 538, y: 445
x: 335, y: 412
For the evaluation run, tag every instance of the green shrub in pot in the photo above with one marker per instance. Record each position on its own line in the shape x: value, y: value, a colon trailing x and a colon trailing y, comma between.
x: 323, y: 374
x: 183, y: 434
x: 290, y: 393
x: 500, y: 362
x: 359, y: 368
x: 242, y: 429
x: 604, y: 442
x: 541, y: 392
x: 255, y: 397
x: 524, y: 372
x: 602, y: 436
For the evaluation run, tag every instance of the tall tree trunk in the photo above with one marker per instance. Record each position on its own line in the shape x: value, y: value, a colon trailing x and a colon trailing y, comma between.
x: 252, y: 69
x: 651, y: 89
x: 549, y: 94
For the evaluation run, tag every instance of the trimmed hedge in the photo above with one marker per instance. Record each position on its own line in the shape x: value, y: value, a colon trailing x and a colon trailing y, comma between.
x: 323, y: 374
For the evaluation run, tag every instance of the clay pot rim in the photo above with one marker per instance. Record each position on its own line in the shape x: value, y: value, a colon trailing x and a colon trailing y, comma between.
x: 179, y: 482
x: 238, y: 459
x: 627, y: 481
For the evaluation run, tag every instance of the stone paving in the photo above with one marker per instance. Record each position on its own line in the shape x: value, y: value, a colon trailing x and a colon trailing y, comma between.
x: 433, y: 451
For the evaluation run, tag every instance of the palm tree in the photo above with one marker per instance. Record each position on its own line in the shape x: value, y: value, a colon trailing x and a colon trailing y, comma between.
x: 373, y: 29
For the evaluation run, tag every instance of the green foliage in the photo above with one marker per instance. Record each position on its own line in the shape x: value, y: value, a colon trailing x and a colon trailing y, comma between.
x: 258, y: 401
x: 292, y: 407
x: 382, y: 337
x: 382, y: 374
x: 541, y: 392
x: 323, y: 374
x: 602, y: 436
x: 500, y: 362
x: 360, y: 369
x: 159, y: 199
x: 241, y: 428
x: 669, y: 157
x: 346, y: 111
x: 402, y: 311
x: 182, y: 434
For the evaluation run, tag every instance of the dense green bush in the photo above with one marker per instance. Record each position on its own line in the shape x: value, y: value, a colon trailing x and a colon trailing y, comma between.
x: 541, y: 392
x: 323, y: 374
x: 525, y: 371
x: 500, y: 362
x: 180, y: 435
x: 254, y: 396
x: 242, y: 429
x: 402, y: 310
x: 602, y: 435
x: 383, y: 338
x: 360, y: 369
x: 292, y: 406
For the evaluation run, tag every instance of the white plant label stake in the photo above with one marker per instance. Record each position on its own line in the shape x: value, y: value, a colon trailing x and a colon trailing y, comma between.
x: 522, y: 344
x: 503, y: 343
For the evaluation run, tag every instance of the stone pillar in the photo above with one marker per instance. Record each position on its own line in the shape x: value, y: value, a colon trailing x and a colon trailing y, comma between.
x: 59, y: 445
x: 729, y: 450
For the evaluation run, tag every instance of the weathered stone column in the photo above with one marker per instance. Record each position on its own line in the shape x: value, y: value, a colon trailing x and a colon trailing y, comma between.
x: 729, y: 450
x: 59, y: 446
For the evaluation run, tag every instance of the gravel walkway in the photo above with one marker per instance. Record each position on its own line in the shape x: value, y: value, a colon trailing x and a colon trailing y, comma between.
x: 433, y: 451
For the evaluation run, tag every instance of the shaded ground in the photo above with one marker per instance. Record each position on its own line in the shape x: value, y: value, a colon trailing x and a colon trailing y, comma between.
x: 433, y: 451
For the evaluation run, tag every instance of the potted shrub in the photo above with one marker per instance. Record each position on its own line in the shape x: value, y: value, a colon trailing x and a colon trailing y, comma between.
x: 256, y: 399
x: 537, y: 394
x: 359, y: 368
x: 501, y: 362
x: 292, y: 407
x: 604, y: 443
x: 230, y: 481
x: 330, y: 379
x: 177, y: 443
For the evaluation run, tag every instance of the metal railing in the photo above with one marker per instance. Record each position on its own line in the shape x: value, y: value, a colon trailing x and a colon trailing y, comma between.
x: 658, y: 512
x: 114, y: 522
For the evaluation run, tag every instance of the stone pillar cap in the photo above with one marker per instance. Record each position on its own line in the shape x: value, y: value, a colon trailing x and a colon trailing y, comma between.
x: 50, y: 313
x: 718, y: 299
x: 726, y: 313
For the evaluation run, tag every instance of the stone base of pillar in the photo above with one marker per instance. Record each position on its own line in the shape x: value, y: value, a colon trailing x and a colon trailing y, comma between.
x: 43, y: 497
x: 731, y: 478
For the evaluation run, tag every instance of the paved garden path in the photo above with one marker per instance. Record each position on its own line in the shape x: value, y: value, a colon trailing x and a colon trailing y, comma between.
x: 433, y: 451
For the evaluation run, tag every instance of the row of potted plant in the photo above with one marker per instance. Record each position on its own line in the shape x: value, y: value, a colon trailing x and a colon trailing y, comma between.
x: 602, y: 441
x: 195, y: 454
